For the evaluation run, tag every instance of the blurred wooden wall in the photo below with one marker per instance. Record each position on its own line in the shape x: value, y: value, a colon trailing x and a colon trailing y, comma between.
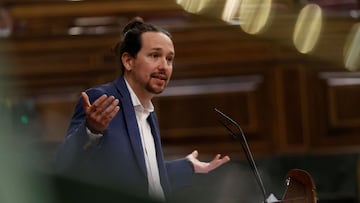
x: 285, y: 102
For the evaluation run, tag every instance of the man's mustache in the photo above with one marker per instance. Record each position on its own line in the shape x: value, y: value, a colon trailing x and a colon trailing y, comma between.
x: 159, y: 75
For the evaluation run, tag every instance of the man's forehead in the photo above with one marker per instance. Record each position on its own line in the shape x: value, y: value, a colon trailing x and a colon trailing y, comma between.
x: 157, y: 40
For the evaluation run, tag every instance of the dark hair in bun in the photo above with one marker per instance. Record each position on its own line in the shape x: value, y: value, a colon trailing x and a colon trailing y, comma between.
x: 131, y: 40
x: 132, y: 24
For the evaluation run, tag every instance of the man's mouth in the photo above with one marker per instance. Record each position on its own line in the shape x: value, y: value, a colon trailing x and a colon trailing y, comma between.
x: 159, y: 76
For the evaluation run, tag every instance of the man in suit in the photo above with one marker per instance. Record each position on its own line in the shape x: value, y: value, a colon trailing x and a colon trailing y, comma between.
x: 113, y: 138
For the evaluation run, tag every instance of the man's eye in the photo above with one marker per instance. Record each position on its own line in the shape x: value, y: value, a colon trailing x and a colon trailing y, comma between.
x: 154, y: 55
x: 170, y: 59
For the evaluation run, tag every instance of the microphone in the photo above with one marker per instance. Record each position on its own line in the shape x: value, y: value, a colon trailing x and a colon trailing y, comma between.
x: 245, y: 147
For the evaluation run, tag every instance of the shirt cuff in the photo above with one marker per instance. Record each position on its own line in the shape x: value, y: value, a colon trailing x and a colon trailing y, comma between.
x: 93, y: 138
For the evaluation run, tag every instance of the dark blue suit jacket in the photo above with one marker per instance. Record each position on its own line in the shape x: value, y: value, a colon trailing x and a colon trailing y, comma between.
x: 117, y: 160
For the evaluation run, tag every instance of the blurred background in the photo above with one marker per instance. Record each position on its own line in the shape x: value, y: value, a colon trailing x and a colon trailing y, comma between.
x: 285, y: 70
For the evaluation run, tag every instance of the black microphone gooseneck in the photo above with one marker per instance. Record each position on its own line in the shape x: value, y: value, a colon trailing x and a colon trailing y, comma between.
x: 246, y: 149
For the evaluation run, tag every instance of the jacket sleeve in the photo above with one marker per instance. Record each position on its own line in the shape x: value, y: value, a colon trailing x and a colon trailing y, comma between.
x: 72, y: 152
x: 180, y: 173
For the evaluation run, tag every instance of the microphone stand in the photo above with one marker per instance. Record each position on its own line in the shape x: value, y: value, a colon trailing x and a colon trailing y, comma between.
x: 245, y: 147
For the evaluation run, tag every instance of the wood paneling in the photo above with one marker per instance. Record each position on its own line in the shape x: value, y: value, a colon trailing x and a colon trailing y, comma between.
x: 285, y: 101
x: 340, y: 124
x: 89, y: 8
x: 188, y: 120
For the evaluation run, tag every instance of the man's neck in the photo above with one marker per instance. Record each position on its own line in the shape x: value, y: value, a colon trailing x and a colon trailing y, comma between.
x: 142, y: 94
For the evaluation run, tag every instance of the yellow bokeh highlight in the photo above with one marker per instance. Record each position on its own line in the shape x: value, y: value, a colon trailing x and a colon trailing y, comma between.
x: 307, y: 28
x: 254, y: 15
x: 352, y: 49
x: 231, y: 10
x: 192, y: 6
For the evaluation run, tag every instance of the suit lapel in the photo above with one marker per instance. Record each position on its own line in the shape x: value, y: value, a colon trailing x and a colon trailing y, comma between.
x: 159, y: 154
x: 131, y: 123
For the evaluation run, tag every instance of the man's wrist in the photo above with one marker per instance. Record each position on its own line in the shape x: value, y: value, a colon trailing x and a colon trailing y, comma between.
x: 92, y: 130
x: 93, y: 138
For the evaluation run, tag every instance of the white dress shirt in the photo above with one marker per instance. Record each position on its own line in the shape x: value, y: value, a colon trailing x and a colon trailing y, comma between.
x: 147, y: 140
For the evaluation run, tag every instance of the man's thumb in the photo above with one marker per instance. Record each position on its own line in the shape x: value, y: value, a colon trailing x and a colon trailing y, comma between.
x: 86, y: 101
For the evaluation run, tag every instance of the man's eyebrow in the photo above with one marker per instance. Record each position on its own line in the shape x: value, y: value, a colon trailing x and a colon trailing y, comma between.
x: 160, y: 49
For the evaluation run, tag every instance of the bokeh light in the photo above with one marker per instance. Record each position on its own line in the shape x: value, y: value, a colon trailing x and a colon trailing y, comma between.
x: 307, y: 28
x: 352, y: 49
x: 193, y: 6
x: 254, y: 15
x: 231, y: 11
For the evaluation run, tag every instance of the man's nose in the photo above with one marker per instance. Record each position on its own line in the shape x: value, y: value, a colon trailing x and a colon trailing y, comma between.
x: 164, y: 64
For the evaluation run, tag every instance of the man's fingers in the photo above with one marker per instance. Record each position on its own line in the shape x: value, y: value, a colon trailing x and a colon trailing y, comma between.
x: 218, y: 161
x: 98, y: 103
x: 195, y: 153
x: 114, y: 112
x: 93, y: 107
x: 226, y: 159
x: 106, y: 104
x: 112, y: 109
x: 86, y: 101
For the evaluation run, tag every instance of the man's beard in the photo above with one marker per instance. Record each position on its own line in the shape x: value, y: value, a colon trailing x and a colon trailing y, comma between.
x: 152, y: 90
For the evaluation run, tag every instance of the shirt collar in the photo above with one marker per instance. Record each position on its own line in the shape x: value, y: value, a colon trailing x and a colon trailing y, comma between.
x: 136, y: 102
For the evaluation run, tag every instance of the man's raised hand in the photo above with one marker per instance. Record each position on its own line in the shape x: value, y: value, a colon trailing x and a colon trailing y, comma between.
x: 100, y: 113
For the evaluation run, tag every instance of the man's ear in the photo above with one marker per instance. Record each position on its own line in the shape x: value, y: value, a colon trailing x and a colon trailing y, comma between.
x: 127, y: 60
